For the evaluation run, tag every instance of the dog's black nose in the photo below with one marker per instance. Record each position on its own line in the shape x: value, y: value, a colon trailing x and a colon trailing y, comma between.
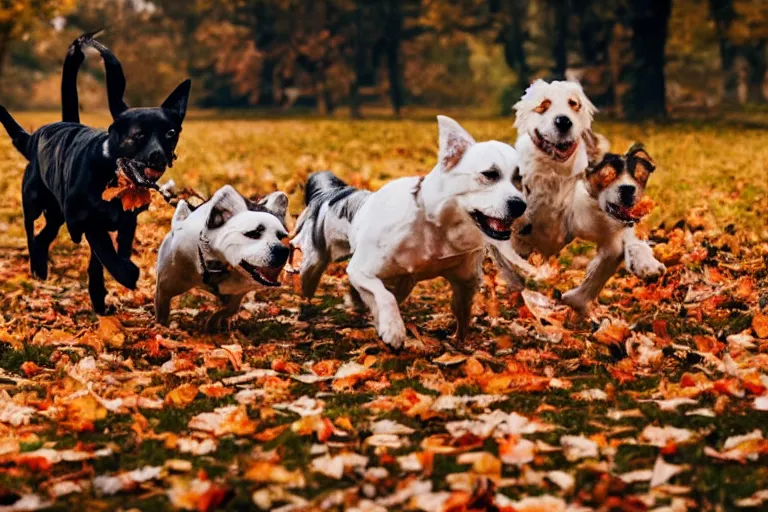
x: 516, y: 207
x: 563, y: 123
x: 278, y: 255
x: 627, y: 194
x: 157, y: 160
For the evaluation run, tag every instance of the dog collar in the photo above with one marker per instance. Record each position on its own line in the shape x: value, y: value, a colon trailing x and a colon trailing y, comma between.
x: 210, y: 268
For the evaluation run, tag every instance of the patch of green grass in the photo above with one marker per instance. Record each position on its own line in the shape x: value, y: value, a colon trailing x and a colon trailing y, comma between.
x: 11, y: 359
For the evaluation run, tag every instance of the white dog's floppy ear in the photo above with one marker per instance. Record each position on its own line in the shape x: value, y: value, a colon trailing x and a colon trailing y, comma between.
x: 454, y: 142
x: 227, y: 203
x: 182, y: 212
x: 588, y: 106
x: 276, y: 203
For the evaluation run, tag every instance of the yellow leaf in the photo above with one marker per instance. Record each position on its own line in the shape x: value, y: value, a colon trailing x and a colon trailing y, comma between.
x: 182, y: 395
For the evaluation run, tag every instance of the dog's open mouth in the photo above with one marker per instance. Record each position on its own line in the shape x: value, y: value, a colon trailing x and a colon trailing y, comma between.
x: 498, y: 229
x: 267, y: 276
x: 559, y: 151
x: 140, y: 173
x: 630, y: 214
x: 621, y: 213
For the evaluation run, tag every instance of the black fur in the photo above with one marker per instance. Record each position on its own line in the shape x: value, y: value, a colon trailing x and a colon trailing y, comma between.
x: 343, y: 200
x: 70, y: 165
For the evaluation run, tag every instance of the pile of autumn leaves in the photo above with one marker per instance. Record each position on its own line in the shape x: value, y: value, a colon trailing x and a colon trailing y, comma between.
x: 489, y: 426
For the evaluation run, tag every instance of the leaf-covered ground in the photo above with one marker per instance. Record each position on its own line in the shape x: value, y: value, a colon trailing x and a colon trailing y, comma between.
x: 658, y: 401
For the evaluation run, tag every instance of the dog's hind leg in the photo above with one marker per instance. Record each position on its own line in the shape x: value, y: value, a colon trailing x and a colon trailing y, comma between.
x: 54, y: 219
x: 122, y: 269
x: 313, y: 265
x: 31, y: 212
x: 382, y: 304
x: 218, y: 320
x: 96, y: 289
x: 599, y: 271
x: 464, y: 284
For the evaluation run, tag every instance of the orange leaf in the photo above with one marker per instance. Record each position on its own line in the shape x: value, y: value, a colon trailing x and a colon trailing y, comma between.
x: 131, y: 196
x: 760, y: 325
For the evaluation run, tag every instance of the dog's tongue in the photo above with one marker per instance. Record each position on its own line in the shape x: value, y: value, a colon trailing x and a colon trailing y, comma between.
x: 152, y: 174
x: 497, y: 225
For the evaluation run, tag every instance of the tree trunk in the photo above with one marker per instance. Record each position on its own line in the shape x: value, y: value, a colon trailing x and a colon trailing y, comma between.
x: 354, y: 87
x: 513, y: 37
x: 394, y: 67
x: 561, y: 11
x: 756, y: 74
x: 595, y: 37
x: 723, y: 14
x: 5, y: 43
x: 646, y: 94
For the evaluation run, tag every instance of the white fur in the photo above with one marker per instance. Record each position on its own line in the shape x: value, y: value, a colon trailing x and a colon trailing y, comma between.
x: 414, y: 229
x: 560, y: 207
x: 179, y: 266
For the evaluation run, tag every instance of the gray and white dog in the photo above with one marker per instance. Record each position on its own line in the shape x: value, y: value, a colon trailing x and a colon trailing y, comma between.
x: 415, y: 228
x: 229, y: 245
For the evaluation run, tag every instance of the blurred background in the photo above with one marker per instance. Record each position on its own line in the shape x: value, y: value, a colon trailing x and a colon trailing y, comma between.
x: 637, y: 59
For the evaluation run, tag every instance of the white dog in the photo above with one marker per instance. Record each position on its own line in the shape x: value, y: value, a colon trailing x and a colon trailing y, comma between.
x: 228, y: 245
x: 556, y: 144
x: 415, y: 229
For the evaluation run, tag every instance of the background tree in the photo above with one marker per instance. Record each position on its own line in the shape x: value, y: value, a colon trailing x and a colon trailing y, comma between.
x: 18, y: 17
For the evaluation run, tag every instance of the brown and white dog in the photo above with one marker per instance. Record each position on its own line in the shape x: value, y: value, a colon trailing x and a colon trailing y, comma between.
x: 556, y: 146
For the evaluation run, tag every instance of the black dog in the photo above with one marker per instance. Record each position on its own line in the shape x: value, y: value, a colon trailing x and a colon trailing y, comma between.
x: 70, y: 165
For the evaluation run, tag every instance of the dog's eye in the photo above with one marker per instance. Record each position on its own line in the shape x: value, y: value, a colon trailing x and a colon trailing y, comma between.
x: 641, y: 173
x: 543, y: 107
x: 517, y: 179
x: 171, y: 134
x: 492, y: 174
x: 255, y: 234
x: 575, y: 105
x: 138, y: 136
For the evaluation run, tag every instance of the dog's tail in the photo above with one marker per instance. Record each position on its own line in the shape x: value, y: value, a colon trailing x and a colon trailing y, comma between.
x: 70, y: 106
x: 19, y: 136
x: 322, y: 231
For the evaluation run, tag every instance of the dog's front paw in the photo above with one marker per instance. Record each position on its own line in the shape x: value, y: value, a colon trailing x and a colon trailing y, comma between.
x: 392, y: 333
x: 640, y: 261
x: 576, y: 300
x: 128, y: 275
x: 39, y: 268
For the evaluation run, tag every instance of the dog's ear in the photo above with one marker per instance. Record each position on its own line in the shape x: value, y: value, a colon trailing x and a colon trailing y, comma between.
x: 586, y: 104
x: 227, y: 203
x: 182, y: 212
x: 276, y: 203
x: 454, y: 142
x: 177, y: 101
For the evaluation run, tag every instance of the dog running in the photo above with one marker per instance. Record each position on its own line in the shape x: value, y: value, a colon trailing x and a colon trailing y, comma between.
x: 229, y: 246
x: 70, y: 165
x: 556, y: 146
x: 414, y: 229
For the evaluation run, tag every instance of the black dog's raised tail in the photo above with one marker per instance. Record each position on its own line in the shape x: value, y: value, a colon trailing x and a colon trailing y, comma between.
x: 70, y: 106
x: 19, y: 136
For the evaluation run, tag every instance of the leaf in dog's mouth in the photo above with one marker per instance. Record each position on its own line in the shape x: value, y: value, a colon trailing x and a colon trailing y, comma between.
x: 133, y: 184
x: 131, y: 196
x: 633, y: 214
